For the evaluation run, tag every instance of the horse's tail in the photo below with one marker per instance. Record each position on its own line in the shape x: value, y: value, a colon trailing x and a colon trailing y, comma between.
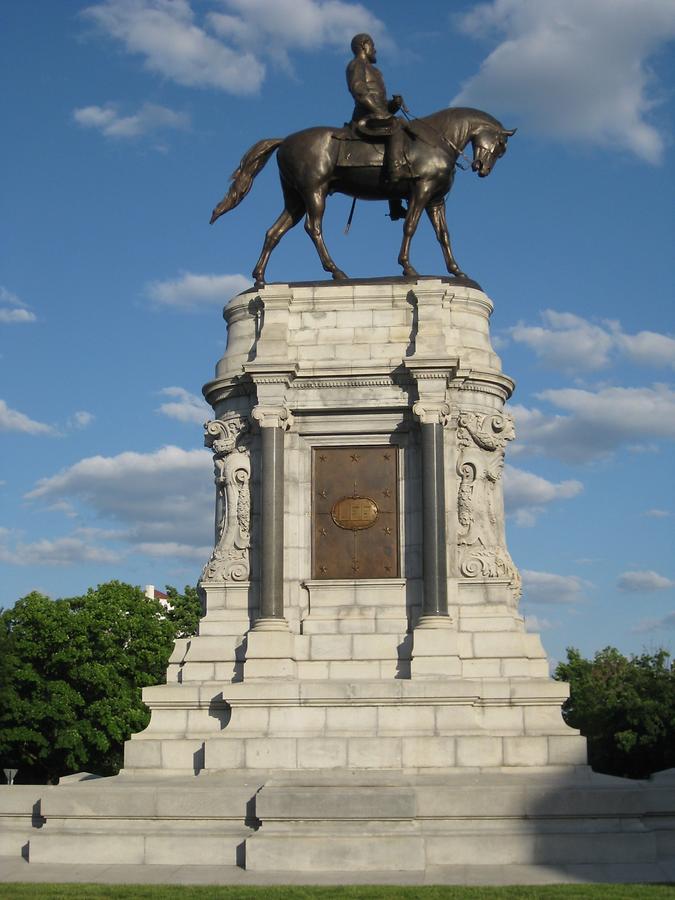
x: 242, y: 179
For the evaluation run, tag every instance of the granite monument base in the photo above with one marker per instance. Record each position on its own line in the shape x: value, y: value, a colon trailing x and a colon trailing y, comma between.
x: 362, y: 694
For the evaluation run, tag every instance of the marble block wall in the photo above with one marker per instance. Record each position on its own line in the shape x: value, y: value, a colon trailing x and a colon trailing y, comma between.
x: 331, y: 365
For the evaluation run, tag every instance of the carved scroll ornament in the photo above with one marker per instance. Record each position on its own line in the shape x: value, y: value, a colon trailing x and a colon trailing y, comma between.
x: 232, y: 470
x: 482, y: 441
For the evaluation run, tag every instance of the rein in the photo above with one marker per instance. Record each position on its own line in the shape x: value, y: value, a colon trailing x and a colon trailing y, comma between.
x: 412, y: 118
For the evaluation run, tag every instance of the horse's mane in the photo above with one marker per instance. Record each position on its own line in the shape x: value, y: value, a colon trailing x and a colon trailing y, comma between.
x: 455, y: 114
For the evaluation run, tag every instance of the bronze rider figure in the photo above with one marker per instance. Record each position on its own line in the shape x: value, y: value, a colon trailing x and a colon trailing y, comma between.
x: 374, y: 115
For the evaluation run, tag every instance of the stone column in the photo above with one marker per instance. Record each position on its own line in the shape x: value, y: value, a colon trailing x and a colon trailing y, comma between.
x: 433, y: 417
x: 273, y: 421
x: 435, y: 651
x: 270, y: 646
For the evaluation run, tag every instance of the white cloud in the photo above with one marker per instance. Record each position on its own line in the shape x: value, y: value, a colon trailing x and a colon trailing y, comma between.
x: 566, y: 341
x: 526, y: 494
x: 547, y: 587
x: 14, y: 316
x: 576, y: 70
x: 81, y: 419
x: 12, y: 310
x: 173, y: 550
x: 283, y: 25
x: 648, y: 348
x: 571, y: 343
x: 65, y: 551
x: 12, y: 420
x: 225, y: 49
x: 645, y: 580
x: 596, y: 423
x: 159, y: 497
x: 149, y: 118
x: 164, y: 33
x: 536, y: 623
x: 657, y: 513
x: 185, y: 407
x: 192, y: 292
x: 666, y: 623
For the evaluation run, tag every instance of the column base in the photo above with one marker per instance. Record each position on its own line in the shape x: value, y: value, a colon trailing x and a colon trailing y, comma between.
x: 270, y: 652
x: 434, y: 622
x: 435, y: 649
x: 270, y: 623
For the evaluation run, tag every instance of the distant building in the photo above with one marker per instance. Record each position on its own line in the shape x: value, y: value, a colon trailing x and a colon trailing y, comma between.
x: 152, y: 593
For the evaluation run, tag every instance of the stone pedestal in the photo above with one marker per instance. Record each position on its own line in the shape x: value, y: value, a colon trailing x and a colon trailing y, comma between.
x: 359, y: 440
x: 361, y: 669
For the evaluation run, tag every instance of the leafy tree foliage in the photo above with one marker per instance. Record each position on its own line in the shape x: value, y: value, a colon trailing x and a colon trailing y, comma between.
x: 72, y: 671
x: 625, y: 707
x: 186, y: 608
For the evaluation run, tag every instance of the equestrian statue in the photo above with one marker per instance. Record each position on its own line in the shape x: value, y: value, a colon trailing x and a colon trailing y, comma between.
x: 376, y: 156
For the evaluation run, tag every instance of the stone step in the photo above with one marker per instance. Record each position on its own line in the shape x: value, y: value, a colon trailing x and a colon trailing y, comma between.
x: 460, y: 819
x: 391, y: 850
x: 412, y: 753
x: 158, y: 843
x: 529, y: 691
x: 182, y: 821
x: 333, y: 850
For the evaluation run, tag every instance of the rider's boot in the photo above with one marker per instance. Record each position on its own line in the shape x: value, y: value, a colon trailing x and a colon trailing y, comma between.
x: 396, y: 210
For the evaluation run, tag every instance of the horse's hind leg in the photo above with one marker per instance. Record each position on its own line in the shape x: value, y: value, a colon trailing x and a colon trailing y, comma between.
x: 436, y: 213
x: 417, y: 202
x: 316, y: 204
x: 291, y: 215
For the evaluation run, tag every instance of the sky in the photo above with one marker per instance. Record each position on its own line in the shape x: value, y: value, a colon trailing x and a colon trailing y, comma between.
x: 122, y: 121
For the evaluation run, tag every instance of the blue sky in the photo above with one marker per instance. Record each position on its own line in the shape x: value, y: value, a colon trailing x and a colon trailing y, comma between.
x: 122, y: 122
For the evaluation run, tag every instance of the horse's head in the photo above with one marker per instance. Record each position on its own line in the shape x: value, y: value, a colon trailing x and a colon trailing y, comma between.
x: 489, y: 143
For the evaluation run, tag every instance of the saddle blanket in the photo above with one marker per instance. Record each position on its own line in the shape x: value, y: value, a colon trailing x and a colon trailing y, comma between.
x: 360, y: 153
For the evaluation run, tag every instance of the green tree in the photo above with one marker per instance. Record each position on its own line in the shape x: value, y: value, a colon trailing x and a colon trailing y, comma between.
x: 186, y: 610
x: 625, y: 707
x: 73, y: 695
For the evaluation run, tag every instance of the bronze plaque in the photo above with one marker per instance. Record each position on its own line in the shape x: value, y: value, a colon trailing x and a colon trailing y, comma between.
x: 355, y: 512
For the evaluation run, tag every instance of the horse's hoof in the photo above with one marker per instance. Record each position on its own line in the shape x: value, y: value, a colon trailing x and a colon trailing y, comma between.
x: 258, y: 282
x: 339, y: 275
x: 410, y: 272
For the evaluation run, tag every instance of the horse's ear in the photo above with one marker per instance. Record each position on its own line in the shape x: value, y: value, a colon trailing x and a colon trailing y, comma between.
x: 509, y: 133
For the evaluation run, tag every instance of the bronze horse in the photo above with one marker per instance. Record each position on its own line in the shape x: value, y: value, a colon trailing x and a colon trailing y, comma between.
x: 309, y: 172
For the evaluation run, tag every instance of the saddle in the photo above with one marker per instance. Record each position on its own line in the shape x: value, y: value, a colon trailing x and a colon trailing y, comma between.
x: 363, y: 146
x: 359, y: 152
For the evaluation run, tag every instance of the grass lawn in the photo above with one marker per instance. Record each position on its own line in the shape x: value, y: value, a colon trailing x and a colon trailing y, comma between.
x: 366, y: 892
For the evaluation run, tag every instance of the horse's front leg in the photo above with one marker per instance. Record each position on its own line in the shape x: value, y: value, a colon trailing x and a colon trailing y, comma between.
x: 316, y: 204
x: 436, y: 213
x: 418, y: 200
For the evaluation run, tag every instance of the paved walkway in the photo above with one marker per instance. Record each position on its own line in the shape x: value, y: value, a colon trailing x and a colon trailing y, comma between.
x: 12, y: 869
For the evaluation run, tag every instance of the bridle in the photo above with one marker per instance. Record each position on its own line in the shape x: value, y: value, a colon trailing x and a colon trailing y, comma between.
x: 411, y: 118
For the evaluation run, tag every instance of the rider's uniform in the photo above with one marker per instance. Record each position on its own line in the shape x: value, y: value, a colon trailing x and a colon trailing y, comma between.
x: 366, y: 85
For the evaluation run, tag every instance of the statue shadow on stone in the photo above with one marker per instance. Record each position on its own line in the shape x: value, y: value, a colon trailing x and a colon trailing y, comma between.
x: 320, y: 161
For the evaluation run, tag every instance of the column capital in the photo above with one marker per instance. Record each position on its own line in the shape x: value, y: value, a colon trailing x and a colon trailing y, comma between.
x: 431, y: 412
x: 272, y: 416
